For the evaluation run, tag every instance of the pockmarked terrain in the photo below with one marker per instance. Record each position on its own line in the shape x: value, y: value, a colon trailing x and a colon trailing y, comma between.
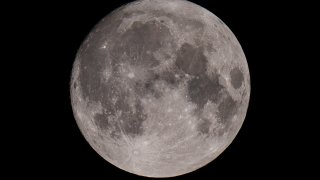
x: 160, y: 88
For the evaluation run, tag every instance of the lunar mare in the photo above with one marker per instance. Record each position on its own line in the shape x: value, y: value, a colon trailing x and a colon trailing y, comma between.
x: 160, y: 88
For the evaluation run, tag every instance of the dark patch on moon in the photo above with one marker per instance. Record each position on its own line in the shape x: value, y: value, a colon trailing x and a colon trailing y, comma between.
x: 147, y: 86
x: 210, y: 48
x: 227, y: 109
x: 110, y: 91
x: 135, y: 13
x: 132, y: 121
x: 143, y: 87
x: 170, y: 77
x: 194, y: 24
x: 181, y: 21
x: 236, y: 77
x: 191, y: 60
x: 138, y: 40
x: 93, y: 60
x: 204, y: 126
x: 131, y: 117
x: 89, y: 76
x: 203, y: 88
x: 102, y: 122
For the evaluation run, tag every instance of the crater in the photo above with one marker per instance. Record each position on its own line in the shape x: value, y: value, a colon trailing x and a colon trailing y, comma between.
x: 75, y: 85
x: 236, y: 77
x: 220, y: 21
x: 191, y: 60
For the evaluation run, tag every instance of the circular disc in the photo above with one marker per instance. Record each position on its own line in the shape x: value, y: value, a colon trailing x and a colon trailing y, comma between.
x: 160, y: 87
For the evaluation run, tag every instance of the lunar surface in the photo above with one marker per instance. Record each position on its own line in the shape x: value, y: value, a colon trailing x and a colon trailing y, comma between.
x: 160, y: 88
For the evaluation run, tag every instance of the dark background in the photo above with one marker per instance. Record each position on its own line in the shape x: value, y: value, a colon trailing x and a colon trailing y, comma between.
x: 43, y: 140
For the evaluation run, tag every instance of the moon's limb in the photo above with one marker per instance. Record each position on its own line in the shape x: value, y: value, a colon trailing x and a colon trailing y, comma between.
x: 160, y: 88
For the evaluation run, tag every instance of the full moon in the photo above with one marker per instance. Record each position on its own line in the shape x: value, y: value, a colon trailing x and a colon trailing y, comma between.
x: 160, y: 88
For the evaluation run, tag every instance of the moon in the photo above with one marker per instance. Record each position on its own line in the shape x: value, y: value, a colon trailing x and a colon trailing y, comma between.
x: 160, y: 88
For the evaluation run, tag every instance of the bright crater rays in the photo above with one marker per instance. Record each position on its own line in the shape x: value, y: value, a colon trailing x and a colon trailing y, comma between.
x: 160, y: 88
